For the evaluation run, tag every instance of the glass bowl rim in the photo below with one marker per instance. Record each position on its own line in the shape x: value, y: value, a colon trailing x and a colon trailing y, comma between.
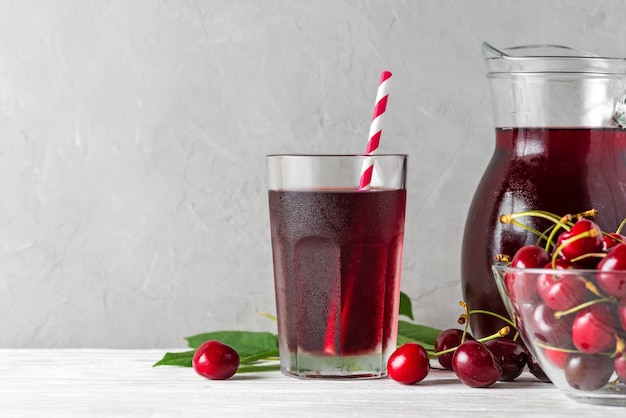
x: 576, y: 272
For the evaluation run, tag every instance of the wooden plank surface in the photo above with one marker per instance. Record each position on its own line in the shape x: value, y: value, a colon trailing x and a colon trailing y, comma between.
x: 112, y: 383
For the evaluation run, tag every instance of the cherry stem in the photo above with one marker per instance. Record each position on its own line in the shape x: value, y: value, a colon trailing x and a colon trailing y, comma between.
x: 464, y: 319
x: 591, y: 287
x: 564, y: 350
x: 564, y: 222
x: 591, y: 213
x: 560, y: 314
x: 559, y: 222
x: 501, y: 333
x: 568, y: 350
x: 268, y: 315
x: 550, y: 239
x: 619, y: 346
x: 586, y: 234
x: 508, y: 218
x: 614, y: 238
x: 503, y: 318
x: 540, y: 234
x: 588, y: 255
x: 502, y: 258
x: 621, y: 226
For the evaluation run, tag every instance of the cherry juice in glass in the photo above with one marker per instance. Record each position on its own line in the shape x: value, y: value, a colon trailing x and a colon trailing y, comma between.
x: 337, y: 255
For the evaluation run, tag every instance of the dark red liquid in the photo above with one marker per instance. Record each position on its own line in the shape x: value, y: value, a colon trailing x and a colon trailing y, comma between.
x: 560, y: 170
x: 337, y: 261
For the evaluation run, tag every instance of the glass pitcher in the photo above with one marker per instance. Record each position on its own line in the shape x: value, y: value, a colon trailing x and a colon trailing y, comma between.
x: 560, y: 146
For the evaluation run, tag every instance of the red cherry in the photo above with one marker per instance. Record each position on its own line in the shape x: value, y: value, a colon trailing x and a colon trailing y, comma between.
x: 523, y: 315
x: 536, y: 370
x: 561, y: 291
x: 409, y: 364
x: 446, y: 339
x: 530, y: 256
x: 593, y: 330
x: 511, y: 355
x: 588, y: 371
x: 619, y: 364
x: 611, y: 240
x: 548, y: 329
x: 621, y: 313
x: 215, y: 360
x: 574, y: 246
x: 556, y: 357
x: 609, y: 279
x: 475, y: 365
x: 521, y: 286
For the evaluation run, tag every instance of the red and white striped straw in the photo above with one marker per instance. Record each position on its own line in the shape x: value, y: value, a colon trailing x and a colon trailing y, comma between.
x: 375, y: 130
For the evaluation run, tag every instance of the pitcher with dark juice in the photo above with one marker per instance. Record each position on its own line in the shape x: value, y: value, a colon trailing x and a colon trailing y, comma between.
x: 560, y: 146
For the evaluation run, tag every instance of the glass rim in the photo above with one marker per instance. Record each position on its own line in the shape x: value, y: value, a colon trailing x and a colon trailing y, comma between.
x: 540, y: 50
x: 287, y: 155
x: 504, y: 268
x: 557, y: 60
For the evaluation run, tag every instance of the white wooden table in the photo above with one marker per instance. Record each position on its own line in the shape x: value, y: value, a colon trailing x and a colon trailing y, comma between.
x: 123, y: 383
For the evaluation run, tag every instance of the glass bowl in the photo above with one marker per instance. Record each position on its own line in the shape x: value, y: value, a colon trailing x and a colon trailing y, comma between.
x: 574, y: 330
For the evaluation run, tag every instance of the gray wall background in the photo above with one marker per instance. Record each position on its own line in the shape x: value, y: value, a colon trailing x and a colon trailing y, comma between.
x: 133, y: 207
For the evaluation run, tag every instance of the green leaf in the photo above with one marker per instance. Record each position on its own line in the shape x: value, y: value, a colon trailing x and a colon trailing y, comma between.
x: 237, y: 339
x: 258, y: 356
x: 259, y: 367
x: 402, y: 339
x: 406, y: 308
x: 176, y: 359
x: 421, y: 334
x: 251, y: 346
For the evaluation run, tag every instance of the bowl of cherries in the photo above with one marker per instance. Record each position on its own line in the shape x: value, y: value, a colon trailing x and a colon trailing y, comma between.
x: 567, y: 298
